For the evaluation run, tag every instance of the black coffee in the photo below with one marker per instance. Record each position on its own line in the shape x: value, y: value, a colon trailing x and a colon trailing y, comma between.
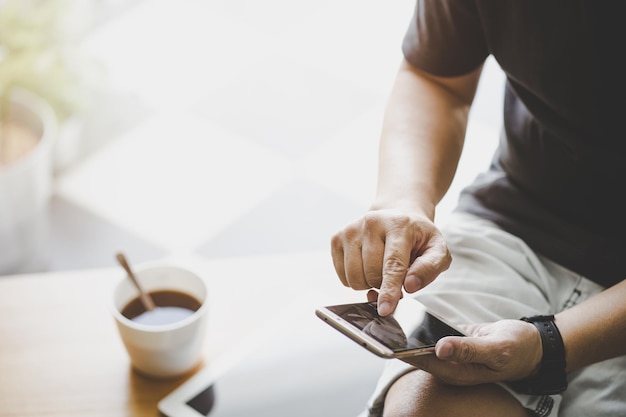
x: 171, y: 306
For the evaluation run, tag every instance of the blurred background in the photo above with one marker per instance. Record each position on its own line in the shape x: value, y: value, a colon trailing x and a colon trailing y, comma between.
x: 237, y: 134
x: 218, y: 128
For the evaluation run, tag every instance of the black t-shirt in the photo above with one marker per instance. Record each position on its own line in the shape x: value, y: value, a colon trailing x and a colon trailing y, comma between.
x: 558, y: 177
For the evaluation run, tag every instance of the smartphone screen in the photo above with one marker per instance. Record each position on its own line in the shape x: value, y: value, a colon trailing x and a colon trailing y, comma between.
x: 411, y: 327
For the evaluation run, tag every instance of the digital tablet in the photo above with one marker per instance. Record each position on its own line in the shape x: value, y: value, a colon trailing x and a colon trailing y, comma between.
x: 293, y: 366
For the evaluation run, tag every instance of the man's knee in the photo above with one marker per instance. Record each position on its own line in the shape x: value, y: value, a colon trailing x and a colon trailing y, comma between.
x: 418, y: 394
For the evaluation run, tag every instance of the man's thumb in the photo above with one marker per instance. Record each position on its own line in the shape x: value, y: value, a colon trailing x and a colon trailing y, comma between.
x: 458, y: 349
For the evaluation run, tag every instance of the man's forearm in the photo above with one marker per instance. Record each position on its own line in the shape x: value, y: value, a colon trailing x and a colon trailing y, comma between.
x: 422, y: 139
x: 594, y: 330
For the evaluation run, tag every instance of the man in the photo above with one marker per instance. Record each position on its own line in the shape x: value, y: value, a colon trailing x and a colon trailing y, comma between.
x: 539, y: 234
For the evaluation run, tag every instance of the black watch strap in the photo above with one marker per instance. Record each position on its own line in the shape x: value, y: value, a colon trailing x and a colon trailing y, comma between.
x: 551, y: 378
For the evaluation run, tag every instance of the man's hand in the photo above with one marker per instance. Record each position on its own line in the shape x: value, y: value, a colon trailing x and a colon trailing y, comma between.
x: 505, y: 350
x: 389, y: 250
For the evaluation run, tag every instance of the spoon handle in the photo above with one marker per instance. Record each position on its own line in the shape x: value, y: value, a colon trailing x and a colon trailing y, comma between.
x: 145, y: 298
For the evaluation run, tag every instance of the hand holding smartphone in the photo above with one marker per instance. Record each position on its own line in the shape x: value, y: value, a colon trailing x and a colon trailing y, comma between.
x: 411, y: 330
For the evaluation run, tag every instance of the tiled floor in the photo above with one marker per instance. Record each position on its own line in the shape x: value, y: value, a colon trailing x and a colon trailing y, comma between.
x: 233, y: 128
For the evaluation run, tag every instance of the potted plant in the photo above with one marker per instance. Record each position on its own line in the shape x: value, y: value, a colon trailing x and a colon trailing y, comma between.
x: 41, y: 88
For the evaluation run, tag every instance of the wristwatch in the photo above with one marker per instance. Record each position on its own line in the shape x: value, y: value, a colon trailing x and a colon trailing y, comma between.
x: 550, y: 378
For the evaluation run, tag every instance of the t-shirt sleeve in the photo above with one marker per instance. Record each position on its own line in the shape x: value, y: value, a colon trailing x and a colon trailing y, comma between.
x: 445, y: 37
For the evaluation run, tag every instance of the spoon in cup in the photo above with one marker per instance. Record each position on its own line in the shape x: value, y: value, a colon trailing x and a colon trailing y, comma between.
x: 145, y: 298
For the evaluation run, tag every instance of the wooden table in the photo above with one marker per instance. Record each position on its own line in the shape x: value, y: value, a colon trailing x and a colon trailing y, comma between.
x: 61, y: 355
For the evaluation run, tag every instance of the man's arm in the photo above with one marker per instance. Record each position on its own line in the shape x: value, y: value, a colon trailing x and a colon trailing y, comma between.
x: 595, y: 329
x: 396, y: 243
x: 421, y: 143
x: 509, y: 350
x: 422, y: 138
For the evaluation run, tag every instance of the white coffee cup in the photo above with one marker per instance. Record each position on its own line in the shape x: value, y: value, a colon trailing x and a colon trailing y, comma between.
x: 163, y: 350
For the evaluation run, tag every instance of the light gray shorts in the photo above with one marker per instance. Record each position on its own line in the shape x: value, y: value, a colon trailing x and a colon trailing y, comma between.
x: 495, y: 276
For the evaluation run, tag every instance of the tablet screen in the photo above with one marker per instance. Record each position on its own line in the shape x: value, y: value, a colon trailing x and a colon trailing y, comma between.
x: 297, y: 369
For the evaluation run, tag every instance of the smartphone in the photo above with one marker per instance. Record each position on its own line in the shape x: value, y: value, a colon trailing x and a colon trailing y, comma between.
x: 411, y: 330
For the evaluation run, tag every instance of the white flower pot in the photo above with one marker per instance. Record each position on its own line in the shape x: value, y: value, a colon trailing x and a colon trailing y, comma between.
x: 25, y: 188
